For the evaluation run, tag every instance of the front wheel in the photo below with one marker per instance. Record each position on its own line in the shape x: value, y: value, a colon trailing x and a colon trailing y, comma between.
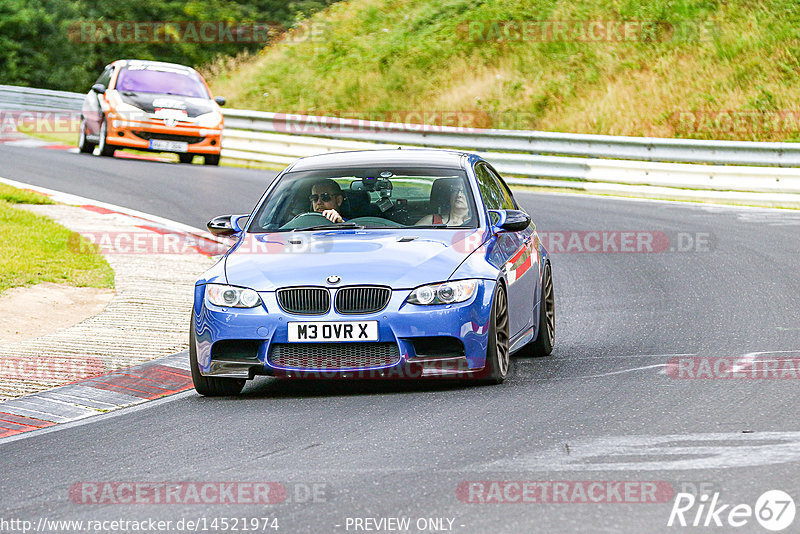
x: 105, y: 149
x: 210, y: 386
x: 84, y: 146
x: 498, y: 360
x: 185, y: 158
x: 211, y: 159
x: 543, y: 344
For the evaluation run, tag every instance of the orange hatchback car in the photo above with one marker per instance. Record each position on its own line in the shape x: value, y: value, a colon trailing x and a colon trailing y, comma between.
x: 152, y: 106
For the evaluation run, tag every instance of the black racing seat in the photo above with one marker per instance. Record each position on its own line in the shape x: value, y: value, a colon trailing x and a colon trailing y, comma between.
x: 357, y: 204
x: 440, y: 194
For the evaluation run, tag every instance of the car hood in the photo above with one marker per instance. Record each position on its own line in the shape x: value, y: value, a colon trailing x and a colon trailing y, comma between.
x: 266, y: 262
x: 149, y: 102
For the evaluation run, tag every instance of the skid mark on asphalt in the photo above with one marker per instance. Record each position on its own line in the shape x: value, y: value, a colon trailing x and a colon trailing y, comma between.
x: 616, y: 357
x: 742, y: 363
x: 532, y: 370
x: 657, y: 453
x: 599, y: 375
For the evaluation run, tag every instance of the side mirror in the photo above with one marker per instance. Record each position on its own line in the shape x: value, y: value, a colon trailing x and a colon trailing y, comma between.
x: 98, y: 88
x: 220, y: 100
x: 227, y: 225
x: 509, y: 220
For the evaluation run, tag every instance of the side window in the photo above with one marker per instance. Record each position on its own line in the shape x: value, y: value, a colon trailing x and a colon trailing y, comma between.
x: 495, y: 196
x: 105, y: 78
x: 508, y: 203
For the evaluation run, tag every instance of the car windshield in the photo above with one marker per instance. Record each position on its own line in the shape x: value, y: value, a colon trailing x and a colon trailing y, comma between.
x: 161, y: 80
x: 368, y: 198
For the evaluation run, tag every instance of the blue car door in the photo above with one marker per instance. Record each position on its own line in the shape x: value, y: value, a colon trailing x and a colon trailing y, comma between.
x: 512, y: 252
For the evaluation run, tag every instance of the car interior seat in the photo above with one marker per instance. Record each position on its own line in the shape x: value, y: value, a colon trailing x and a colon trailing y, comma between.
x: 357, y: 204
x: 440, y: 194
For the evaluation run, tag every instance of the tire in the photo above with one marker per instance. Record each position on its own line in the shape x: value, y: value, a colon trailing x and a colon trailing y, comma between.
x: 210, y: 386
x: 543, y: 344
x: 106, y: 149
x: 211, y: 159
x: 84, y: 146
x: 185, y: 158
x: 498, y: 360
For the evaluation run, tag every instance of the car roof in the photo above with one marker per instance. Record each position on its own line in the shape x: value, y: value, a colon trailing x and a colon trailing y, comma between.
x: 411, y: 157
x: 130, y: 62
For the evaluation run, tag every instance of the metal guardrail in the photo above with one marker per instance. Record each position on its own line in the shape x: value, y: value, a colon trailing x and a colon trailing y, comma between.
x: 25, y: 98
x: 555, y: 143
x: 536, y: 158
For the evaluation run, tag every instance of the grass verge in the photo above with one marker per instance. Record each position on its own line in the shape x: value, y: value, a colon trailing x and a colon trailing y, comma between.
x: 65, y: 134
x: 706, y: 69
x: 36, y: 249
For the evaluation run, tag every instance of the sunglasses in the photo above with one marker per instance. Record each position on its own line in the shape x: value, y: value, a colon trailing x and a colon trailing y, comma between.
x: 325, y: 197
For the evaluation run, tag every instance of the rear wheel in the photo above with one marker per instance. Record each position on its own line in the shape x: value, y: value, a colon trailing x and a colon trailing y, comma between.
x: 105, y: 149
x: 498, y: 360
x: 211, y: 159
x: 210, y: 386
x: 185, y: 158
x: 543, y: 344
x: 84, y: 146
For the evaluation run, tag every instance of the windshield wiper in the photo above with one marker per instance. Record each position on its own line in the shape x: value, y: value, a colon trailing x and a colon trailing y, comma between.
x: 440, y: 225
x: 332, y: 226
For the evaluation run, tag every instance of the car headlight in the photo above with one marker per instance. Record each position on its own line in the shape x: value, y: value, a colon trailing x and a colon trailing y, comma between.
x: 443, y: 293
x: 209, y: 120
x: 232, y: 297
x: 127, y: 114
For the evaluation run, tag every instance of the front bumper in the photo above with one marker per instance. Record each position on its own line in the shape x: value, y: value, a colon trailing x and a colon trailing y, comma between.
x: 137, y: 134
x: 443, y: 340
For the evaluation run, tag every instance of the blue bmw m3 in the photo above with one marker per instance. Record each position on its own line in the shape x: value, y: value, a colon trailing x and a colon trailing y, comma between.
x: 387, y: 263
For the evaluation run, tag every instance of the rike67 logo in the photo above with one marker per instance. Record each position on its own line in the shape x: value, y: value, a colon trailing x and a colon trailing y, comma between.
x: 774, y: 510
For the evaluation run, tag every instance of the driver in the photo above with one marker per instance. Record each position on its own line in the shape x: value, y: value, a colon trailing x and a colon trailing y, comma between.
x: 326, y: 198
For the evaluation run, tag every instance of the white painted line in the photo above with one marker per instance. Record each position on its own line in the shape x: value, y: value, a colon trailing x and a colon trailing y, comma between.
x: 601, y: 375
x: 143, y: 405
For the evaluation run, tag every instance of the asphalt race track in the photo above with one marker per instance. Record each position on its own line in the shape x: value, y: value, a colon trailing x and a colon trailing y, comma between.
x: 608, y: 405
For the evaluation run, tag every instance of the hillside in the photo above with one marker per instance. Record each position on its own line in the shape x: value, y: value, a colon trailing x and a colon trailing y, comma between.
x: 678, y: 68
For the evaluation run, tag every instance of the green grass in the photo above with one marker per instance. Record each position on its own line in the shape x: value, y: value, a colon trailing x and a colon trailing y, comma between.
x: 378, y: 57
x: 41, y: 131
x: 36, y: 249
x: 12, y: 195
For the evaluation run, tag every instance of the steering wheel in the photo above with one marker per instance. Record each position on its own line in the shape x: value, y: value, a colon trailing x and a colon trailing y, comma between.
x: 293, y: 224
x: 308, y: 213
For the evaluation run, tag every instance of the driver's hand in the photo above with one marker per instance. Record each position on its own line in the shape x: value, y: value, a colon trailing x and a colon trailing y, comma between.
x: 333, y: 216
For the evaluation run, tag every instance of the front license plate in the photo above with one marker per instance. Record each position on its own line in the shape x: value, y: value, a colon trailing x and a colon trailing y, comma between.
x: 334, y: 331
x: 172, y: 146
